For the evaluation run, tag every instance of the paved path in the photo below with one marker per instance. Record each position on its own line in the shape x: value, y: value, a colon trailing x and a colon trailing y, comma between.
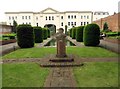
x: 75, y: 42
x: 60, y: 77
x: 110, y: 46
x: 4, y: 49
x: 44, y: 42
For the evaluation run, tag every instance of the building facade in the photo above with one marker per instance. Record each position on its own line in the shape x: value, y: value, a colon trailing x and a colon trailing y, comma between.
x: 53, y: 17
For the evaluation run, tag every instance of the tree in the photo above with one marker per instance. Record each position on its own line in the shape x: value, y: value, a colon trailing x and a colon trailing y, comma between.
x: 14, y: 26
x: 105, y: 27
x: 66, y: 29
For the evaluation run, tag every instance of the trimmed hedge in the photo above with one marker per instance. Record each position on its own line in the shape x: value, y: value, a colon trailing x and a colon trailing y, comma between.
x: 70, y: 32
x: 9, y: 36
x: 45, y: 33
x: 91, y: 35
x: 79, y: 33
x: 38, y: 34
x: 73, y: 32
x: 48, y: 33
x: 25, y: 36
x: 113, y: 34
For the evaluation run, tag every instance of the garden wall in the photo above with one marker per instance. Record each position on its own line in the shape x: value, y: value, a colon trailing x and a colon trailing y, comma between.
x: 113, y: 22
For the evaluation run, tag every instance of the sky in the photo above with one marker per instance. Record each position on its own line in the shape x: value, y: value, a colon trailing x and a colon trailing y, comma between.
x: 60, y: 5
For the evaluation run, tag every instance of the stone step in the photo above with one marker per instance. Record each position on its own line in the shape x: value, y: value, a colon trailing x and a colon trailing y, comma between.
x: 61, y: 64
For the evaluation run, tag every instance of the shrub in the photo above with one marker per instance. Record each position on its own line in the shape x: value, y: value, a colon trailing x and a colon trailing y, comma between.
x: 9, y: 36
x: 38, y: 34
x: 91, y: 35
x: 25, y: 36
x: 79, y: 34
x: 105, y: 27
x: 45, y: 33
x: 73, y: 32
x: 70, y: 32
x: 113, y: 34
x: 48, y: 33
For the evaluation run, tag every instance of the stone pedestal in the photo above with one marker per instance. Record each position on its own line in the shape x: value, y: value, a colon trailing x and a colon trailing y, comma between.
x: 61, y: 49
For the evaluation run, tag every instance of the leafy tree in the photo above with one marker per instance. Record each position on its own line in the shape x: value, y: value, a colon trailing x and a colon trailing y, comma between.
x: 14, y: 26
x: 105, y: 27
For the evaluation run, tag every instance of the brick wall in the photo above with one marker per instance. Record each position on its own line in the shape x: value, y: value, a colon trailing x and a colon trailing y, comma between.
x: 113, y: 22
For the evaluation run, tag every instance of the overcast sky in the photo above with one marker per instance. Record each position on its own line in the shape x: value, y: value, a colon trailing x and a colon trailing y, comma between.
x: 60, y: 5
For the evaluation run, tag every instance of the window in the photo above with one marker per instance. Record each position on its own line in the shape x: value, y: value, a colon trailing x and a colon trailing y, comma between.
x: 26, y: 22
x: 22, y: 17
x: 23, y: 22
x: 46, y: 17
x: 75, y: 23
x: 87, y: 22
x: 29, y: 17
x: 68, y: 16
x: 84, y: 23
x: 37, y: 24
x: 81, y: 17
x: 9, y: 18
x: 49, y: 18
x: 87, y: 17
x: 13, y: 18
x: 98, y: 13
x: 68, y: 23
x: 61, y: 17
x: 10, y: 23
x: 71, y: 23
x: 71, y: 16
x: 25, y: 17
x: 75, y: 16
x: 62, y: 24
x: 81, y: 23
x: 36, y: 18
x: 30, y: 23
x: 84, y: 17
x: 52, y: 17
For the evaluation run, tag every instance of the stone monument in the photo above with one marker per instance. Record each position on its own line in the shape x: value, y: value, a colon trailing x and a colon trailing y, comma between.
x: 61, y: 48
x: 61, y: 44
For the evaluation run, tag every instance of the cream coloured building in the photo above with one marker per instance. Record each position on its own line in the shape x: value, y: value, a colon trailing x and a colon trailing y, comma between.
x: 51, y: 17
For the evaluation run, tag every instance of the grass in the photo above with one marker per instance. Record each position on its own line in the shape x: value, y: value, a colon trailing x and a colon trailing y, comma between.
x: 97, y: 74
x: 42, y: 52
x: 23, y: 75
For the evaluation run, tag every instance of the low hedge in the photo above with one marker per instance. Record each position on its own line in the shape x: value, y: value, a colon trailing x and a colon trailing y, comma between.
x: 45, y: 33
x: 113, y: 34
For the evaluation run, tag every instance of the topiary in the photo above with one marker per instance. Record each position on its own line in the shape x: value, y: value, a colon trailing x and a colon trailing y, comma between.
x: 25, y: 36
x: 91, y: 35
x: 38, y: 34
x: 73, y: 32
x: 45, y: 33
x: 79, y: 33
x: 48, y: 33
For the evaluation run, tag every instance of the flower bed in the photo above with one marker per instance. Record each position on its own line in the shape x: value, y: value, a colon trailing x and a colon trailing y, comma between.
x: 3, y: 42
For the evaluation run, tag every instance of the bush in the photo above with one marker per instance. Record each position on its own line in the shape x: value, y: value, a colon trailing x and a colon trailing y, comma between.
x: 48, y: 33
x: 79, y: 34
x: 25, y: 36
x: 73, y: 32
x: 113, y: 34
x: 38, y: 34
x: 45, y: 33
x: 9, y: 36
x: 91, y: 35
x: 105, y: 27
x: 70, y: 32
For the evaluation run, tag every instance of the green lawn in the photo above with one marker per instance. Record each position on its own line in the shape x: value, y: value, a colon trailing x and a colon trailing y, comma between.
x: 23, y: 75
x: 42, y: 52
x: 97, y: 74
